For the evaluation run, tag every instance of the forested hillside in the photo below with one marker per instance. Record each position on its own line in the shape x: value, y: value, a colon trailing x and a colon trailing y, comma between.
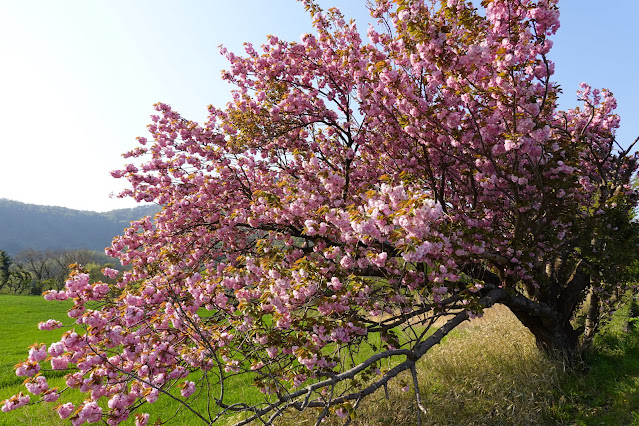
x: 28, y: 226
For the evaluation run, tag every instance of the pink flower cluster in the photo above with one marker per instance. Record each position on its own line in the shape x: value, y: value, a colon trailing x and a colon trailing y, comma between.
x: 49, y: 325
x: 110, y: 272
x: 37, y: 386
x: 15, y: 402
x: 188, y: 389
x: 88, y: 412
x: 65, y: 410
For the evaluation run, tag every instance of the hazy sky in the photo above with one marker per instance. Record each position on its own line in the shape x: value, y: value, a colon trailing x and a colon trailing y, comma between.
x: 78, y: 78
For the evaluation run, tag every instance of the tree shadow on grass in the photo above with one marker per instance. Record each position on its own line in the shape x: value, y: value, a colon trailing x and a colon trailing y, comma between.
x: 608, y: 392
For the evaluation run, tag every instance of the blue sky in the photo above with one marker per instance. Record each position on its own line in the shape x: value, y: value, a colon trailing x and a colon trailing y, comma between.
x: 78, y: 78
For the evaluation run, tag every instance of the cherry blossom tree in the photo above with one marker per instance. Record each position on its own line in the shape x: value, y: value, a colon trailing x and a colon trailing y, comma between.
x: 354, y: 203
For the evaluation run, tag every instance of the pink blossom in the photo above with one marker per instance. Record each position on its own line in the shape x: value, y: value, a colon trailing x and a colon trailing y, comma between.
x: 346, y: 262
x: 38, y: 353
x: 152, y: 396
x: 89, y: 412
x: 49, y: 325
x: 37, y: 386
x: 65, y: 410
x: 188, y: 389
x: 141, y: 419
x: 340, y: 412
x: 27, y: 369
x: 15, y: 402
x: 51, y: 395
x: 272, y: 351
x: 380, y: 259
x: 59, y: 363
x: 110, y: 272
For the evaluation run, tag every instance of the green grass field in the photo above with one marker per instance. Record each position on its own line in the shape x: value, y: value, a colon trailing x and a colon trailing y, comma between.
x: 19, y: 317
x: 489, y: 372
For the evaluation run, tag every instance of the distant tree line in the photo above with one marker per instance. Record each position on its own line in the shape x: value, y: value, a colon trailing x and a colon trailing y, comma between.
x: 35, y: 271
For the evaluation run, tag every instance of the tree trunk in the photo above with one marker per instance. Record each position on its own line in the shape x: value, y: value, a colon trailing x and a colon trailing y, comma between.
x: 547, y: 315
x: 553, y: 335
x: 560, y: 343
x: 592, y: 319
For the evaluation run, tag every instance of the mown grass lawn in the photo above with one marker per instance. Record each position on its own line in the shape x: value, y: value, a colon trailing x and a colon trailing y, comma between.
x: 19, y: 318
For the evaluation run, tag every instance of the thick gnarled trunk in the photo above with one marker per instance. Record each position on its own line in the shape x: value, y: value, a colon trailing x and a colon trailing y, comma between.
x: 548, y: 312
x: 550, y: 320
x: 555, y: 337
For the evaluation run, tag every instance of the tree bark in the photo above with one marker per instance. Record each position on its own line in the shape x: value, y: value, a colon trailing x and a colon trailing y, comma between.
x: 555, y: 337
x: 592, y: 319
x: 546, y: 314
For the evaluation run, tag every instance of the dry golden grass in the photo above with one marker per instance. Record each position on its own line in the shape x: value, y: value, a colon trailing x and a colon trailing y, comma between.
x: 489, y: 372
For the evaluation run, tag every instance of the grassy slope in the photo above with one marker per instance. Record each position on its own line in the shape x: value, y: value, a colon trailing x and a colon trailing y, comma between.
x: 19, y: 317
x: 487, y: 373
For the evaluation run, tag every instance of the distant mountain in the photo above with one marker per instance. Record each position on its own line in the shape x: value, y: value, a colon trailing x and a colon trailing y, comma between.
x: 24, y: 226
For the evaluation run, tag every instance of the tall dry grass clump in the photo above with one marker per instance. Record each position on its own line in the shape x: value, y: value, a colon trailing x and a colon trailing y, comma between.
x: 489, y: 372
